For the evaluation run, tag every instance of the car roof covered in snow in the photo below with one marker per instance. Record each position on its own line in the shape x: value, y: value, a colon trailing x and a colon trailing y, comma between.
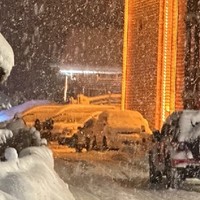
x: 125, y: 121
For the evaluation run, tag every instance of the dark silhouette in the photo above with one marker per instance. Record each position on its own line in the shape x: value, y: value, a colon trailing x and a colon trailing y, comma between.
x: 37, y: 125
x: 87, y: 143
x: 104, y: 141
x: 94, y: 142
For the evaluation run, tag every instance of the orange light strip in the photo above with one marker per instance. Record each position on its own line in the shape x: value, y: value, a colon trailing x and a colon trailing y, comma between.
x: 167, y: 50
x: 174, y: 56
x: 125, y: 47
x: 165, y: 54
x: 169, y: 57
x: 159, y: 67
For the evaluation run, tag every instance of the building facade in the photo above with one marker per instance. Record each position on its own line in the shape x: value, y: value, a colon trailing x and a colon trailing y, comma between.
x: 154, y: 57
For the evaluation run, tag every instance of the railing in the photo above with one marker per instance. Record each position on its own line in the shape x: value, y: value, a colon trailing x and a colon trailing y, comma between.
x: 108, y: 99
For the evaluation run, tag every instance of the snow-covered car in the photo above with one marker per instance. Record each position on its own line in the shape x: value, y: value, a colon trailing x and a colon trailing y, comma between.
x: 175, y: 152
x: 116, y: 129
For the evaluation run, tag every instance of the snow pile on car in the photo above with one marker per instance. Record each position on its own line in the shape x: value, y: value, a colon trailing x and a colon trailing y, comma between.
x: 31, y: 176
x: 125, y: 121
x: 6, y: 58
x: 186, y: 124
x: 189, y: 125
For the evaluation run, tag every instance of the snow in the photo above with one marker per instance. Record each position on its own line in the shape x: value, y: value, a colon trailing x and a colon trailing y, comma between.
x: 90, y: 175
x: 117, y: 176
x: 188, y: 123
x: 126, y: 121
x: 9, y: 114
x: 11, y: 154
x: 32, y: 177
x: 6, y: 57
x: 4, y: 135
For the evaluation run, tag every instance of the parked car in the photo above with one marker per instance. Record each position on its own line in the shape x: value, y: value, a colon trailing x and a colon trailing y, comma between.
x: 116, y: 129
x: 175, y: 152
x: 110, y: 130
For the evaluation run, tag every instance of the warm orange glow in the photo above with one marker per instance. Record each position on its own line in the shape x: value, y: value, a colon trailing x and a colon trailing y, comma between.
x: 159, y: 67
x: 125, y: 44
x: 167, y: 49
x: 174, y: 55
x: 165, y: 64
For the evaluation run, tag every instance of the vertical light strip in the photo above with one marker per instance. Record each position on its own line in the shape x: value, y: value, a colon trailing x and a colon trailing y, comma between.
x: 174, y: 56
x: 125, y: 45
x: 165, y: 46
x: 66, y: 88
x: 159, y: 67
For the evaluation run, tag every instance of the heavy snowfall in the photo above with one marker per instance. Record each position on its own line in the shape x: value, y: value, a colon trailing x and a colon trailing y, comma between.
x: 33, y: 167
x: 52, y: 171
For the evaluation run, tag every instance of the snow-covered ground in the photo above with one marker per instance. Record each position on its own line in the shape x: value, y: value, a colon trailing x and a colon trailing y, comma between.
x: 32, y: 177
x: 116, y: 176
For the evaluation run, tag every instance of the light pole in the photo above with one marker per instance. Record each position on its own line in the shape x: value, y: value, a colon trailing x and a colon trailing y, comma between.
x: 66, y: 88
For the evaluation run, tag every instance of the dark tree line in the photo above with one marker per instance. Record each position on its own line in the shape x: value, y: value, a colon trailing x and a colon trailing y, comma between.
x: 192, y: 65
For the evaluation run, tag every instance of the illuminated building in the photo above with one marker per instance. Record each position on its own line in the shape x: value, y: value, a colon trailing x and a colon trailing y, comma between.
x: 153, y: 57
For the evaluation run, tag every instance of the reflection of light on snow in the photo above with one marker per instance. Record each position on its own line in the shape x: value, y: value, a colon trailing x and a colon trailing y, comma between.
x: 9, y: 114
x: 4, y: 117
x: 68, y: 72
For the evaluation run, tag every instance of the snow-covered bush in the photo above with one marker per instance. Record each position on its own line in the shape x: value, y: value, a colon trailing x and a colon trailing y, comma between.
x: 31, y: 176
x: 4, y: 135
x: 6, y: 58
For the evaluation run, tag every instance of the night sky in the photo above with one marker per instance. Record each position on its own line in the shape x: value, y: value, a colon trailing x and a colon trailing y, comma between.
x: 41, y: 32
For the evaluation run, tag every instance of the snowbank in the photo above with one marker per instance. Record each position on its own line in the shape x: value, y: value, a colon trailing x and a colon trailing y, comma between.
x: 6, y: 57
x: 32, y: 177
x: 6, y: 115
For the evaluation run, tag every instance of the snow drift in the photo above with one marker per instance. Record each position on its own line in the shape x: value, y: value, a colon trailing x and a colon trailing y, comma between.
x: 32, y: 177
x: 6, y: 59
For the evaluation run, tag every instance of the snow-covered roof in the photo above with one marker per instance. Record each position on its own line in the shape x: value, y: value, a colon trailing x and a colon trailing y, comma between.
x: 6, y: 57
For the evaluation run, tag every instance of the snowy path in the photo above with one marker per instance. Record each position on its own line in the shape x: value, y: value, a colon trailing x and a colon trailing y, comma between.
x: 114, y: 176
